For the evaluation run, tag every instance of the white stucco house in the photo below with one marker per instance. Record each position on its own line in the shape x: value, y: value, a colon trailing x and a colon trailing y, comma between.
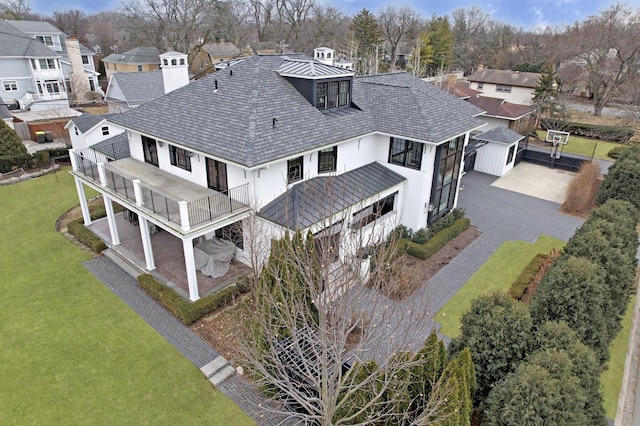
x: 513, y: 86
x: 287, y: 142
x: 40, y: 65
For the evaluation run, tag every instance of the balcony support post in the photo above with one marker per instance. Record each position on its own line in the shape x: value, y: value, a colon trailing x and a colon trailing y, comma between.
x: 103, y: 175
x: 74, y: 159
x: 137, y: 191
x: 184, y: 215
x: 190, y: 265
x: 146, y: 243
x: 84, y: 206
x: 111, y: 218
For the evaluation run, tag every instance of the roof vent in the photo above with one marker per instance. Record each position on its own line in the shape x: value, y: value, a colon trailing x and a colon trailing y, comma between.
x: 275, y: 120
x: 230, y: 73
x: 215, y: 82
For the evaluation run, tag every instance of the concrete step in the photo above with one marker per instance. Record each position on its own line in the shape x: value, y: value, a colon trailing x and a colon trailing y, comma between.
x: 222, y: 375
x: 214, y: 366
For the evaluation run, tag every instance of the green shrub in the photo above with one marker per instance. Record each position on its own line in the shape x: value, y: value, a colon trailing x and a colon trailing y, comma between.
x: 14, y: 162
x: 521, y: 283
x: 98, y: 211
x: 41, y: 158
x: 596, y: 131
x: 421, y: 236
x: 85, y: 236
x: 616, y: 152
x: 622, y: 182
x: 185, y: 311
x: 435, y: 243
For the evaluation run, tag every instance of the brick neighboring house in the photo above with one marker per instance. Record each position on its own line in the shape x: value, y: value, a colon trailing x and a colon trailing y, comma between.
x: 288, y: 143
x: 514, y: 86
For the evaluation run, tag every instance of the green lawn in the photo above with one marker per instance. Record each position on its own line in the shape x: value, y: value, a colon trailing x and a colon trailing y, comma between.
x: 71, y: 352
x: 584, y: 146
x: 498, y: 273
x: 611, y: 378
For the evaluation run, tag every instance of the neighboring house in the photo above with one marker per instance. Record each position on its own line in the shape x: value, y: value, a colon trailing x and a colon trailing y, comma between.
x: 129, y: 90
x: 38, y: 73
x: 501, y: 113
x: 207, y: 55
x: 88, y: 129
x: 283, y: 142
x: 140, y: 59
x: 327, y: 56
x: 5, y: 114
x: 514, y: 86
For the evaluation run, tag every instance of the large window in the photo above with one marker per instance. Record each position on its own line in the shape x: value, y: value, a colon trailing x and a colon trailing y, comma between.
x: 447, y: 170
x: 294, y: 170
x: 150, y: 151
x: 10, y: 85
x: 333, y: 94
x: 510, y: 155
x: 217, y: 175
x: 47, y: 64
x: 180, y: 157
x: 327, y: 160
x: 47, y: 39
x: 52, y: 87
x: 406, y: 153
x: 374, y: 211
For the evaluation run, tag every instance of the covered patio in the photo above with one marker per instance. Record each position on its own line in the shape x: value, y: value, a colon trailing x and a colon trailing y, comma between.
x: 169, y: 257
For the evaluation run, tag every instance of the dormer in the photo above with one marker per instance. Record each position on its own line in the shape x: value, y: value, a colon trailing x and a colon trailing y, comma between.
x: 52, y: 41
x: 325, y: 86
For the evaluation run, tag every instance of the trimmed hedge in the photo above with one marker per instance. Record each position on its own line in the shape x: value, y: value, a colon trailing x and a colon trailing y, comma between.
x: 616, y: 152
x: 521, y: 283
x: 437, y: 241
x: 86, y: 237
x: 609, y: 133
x: 185, y: 311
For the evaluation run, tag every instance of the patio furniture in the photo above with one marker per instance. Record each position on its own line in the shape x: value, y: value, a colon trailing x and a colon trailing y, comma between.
x: 213, y: 257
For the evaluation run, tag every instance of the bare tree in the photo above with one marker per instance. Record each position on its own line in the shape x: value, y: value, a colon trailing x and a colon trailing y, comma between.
x: 295, y: 15
x: 396, y: 23
x: 469, y: 27
x: 262, y: 13
x: 329, y: 347
x: 107, y: 32
x: 608, y: 47
x: 15, y: 9
x: 72, y: 22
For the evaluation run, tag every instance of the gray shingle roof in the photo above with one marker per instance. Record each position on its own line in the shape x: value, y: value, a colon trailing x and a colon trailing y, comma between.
x: 309, y: 68
x: 116, y: 147
x: 221, y: 49
x: 34, y: 26
x: 506, y: 77
x: 4, y: 110
x: 87, y: 121
x: 234, y: 123
x: 13, y: 42
x: 139, y: 87
x: 314, y: 199
x: 139, y: 55
x: 499, y: 135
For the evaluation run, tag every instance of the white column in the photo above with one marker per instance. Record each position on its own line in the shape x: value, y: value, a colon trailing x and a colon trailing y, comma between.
x: 184, y: 215
x: 102, y: 174
x: 84, y: 206
x: 137, y: 192
x: 74, y: 160
x: 146, y: 243
x: 190, y: 265
x: 111, y: 218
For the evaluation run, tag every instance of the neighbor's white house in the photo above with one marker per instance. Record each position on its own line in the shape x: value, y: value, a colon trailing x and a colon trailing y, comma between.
x: 513, y: 86
x: 39, y: 65
x: 288, y: 142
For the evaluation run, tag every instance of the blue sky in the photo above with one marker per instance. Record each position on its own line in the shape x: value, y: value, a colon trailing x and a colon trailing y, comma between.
x: 524, y: 13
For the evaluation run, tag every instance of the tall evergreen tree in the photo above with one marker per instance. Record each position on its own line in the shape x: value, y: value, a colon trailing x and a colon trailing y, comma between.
x: 10, y: 143
x: 367, y: 38
x: 441, y: 38
x: 545, y: 93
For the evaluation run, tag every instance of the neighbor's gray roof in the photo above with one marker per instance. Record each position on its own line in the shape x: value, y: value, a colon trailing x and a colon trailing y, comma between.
x: 221, y: 49
x: 116, y: 147
x: 499, y: 135
x: 4, y: 110
x: 314, y: 199
x: 309, y: 68
x: 14, y: 43
x: 33, y: 27
x: 139, y: 55
x: 506, y: 77
x: 237, y: 118
x: 87, y: 121
x: 140, y: 87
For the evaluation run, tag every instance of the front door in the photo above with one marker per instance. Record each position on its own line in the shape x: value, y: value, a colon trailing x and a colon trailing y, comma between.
x: 217, y: 175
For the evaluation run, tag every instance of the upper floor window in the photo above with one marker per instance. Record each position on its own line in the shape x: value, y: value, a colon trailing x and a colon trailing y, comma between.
x: 10, y: 85
x: 150, y: 149
x: 327, y: 159
x: 480, y: 86
x: 180, y: 157
x: 105, y: 130
x: 47, y: 64
x: 46, y: 39
x: 406, y: 153
x: 294, y: 169
x: 85, y: 59
x: 503, y: 89
x: 139, y: 68
x: 333, y: 94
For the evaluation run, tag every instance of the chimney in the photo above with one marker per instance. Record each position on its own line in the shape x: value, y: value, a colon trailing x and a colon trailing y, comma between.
x: 175, y: 70
x: 77, y: 79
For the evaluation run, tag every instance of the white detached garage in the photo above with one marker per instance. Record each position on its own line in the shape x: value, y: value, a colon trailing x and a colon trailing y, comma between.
x: 498, y: 154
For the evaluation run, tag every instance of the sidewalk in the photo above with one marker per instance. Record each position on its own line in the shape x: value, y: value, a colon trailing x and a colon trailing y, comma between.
x: 628, y: 413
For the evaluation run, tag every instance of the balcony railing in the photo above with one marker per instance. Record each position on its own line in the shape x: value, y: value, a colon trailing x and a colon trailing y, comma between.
x: 186, y: 214
x: 30, y: 98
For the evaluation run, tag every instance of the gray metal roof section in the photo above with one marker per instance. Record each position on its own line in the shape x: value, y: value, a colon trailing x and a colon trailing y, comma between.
x: 306, y: 68
x: 235, y: 122
x: 499, y: 135
x: 87, y: 121
x: 15, y: 43
x: 116, y: 147
x: 139, y: 55
x: 4, y: 110
x: 140, y: 87
x: 315, y: 199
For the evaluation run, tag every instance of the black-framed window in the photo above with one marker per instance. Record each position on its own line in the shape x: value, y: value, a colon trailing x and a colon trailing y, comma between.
x: 374, y: 211
x: 333, y: 94
x: 180, y: 157
x: 343, y: 94
x: 406, y: 153
x: 445, y: 179
x: 328, y: 160
x: 150, y: 149
x: 512, y: 150
x: 105, y: 130
x: 217, y: 175
x: 295, y: 169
